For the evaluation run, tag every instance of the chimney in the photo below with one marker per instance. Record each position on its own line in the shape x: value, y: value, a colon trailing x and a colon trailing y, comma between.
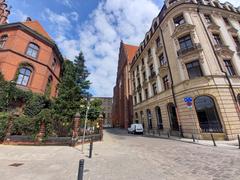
x: 28, y: 19
x: 4, y: 12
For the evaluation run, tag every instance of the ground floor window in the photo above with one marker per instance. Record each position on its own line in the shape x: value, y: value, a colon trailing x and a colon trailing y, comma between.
x: 173, y: 117
x: 149, y: 118
x: 207, y: 114
x: 159, y: 117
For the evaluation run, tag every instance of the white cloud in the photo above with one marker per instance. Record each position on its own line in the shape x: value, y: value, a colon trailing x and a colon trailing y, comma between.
x: 100, y: 37
x: 19, y: 16
x: 233, y: 2
x: 65, y: 2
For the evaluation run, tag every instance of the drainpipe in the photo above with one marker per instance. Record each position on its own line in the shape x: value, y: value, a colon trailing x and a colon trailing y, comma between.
x: 218, y: 61
x: 172, y: 87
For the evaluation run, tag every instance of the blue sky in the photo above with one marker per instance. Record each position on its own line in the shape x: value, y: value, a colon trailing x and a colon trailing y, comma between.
x: 94, y: 27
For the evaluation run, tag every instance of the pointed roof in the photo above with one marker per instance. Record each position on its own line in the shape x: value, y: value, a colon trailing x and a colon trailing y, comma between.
x: 130, y: 51
x: 37, y: 27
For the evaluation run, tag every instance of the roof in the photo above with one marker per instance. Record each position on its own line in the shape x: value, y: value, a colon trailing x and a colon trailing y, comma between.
x: 130, y: 51
x: 37, y: 27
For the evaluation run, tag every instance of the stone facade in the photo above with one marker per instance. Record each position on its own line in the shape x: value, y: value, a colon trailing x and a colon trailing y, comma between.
x: 192, y: 50
x: 122, y: 100
x: 30, y: 57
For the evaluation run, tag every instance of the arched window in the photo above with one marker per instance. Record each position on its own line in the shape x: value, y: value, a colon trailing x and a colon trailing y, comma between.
x: 3, y: 40
x: 173, y: 117
x: 48, y: 86
x: 207, y: 114
x: 149, y: 118
x: 32, y: 50
x: 23, y: 76
x: 159, y: 117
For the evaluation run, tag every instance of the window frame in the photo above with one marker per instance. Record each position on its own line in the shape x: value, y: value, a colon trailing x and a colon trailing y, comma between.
x: 24, y: 75
x: 28, y: 47
x: 194, y: 68
x: 230, y: 70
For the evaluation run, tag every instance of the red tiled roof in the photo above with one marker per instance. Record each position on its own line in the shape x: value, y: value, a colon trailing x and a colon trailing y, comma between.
x: 130, y: 50
x: 37, y: 27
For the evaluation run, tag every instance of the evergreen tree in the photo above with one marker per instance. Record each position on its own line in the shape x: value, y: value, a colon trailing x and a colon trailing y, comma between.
x: 82, y: 74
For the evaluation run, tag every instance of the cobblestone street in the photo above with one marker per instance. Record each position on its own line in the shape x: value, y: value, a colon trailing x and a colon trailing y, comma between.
x: 123, y: 156
x: 120, y: 157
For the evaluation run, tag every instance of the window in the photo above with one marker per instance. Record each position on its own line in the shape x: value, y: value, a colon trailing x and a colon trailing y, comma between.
x: 149, y: 118
x: 140, y: 97
x: 23, y: 76
x: 216, y: 4
x: 135, y: 99
x: 151, y: 68
x: 159, y: 117
x: 32, y: 50
x: 54, y: 63
x: 185, y: 42
x: 229, y: 67
x: 207, y: 114
x: 137, y: 69
x: 236, y: 40
x: 155, y: 26
x: 194, y: 69
x: 172, y: 1
x: 162, y: 60
x: 3, y: 40
x: 142, y: 62
x: 149, y: 53
x: 166, y: 82
x: 48, y: 86
x: 179, y: 20
x: 208, y: 18
x: 226, y: 21
x: 173, y: 117
x: 217, y: 39
x: 144, y: 76
x: 139, y: 82
x: 146, y: 93
x: 158, y: 42
x: 154, y: 87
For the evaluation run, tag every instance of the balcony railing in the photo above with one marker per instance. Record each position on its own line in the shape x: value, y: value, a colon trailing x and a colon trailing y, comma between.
x: 194, y: 47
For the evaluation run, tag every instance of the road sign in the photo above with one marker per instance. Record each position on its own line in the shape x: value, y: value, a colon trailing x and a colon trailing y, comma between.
x: 188, y: 101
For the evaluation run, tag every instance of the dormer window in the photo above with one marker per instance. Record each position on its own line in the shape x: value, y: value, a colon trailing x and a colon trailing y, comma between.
x: 32, y: 50
x: 179, y: 20
x: 3, y: 40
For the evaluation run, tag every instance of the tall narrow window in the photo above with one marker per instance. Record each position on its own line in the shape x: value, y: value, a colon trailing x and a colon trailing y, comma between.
x: 185, y: 42
x: 3, y: 40
x: 194, y: 69
x: 32, y: 50
x: 149, y: 118
x: 162, y: 60
x: 166, y: 82
x: 179, y: 20
x: 140, y: 97
x: 159, y: 117
x: 229, y: 67
x: 144, y: 76
x: 142, y: 62
x: 158, y: 42
x: 217, y: 39
x: 151, y: 68
x: 23, y: 76
x: 146, y: 93
x: 149, y: 52
x: 154, y: 88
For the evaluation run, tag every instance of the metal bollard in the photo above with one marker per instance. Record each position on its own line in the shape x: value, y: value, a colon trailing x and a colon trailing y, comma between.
x: 238, y: 141
x: 193, y: 138
x: 81, y: 169
x: 214, y: 143
x: 90, y: 148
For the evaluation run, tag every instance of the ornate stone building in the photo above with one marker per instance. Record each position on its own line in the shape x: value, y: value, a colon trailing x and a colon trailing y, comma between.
x: 28, y: 55
x: 192, y: 51
x: 122, y: 100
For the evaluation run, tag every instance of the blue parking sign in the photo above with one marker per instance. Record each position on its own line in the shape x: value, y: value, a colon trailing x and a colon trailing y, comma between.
x: 188, y: 99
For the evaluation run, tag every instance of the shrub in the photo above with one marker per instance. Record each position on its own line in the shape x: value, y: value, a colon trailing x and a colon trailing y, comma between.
x: 23, y: 125
x: 3, y: 124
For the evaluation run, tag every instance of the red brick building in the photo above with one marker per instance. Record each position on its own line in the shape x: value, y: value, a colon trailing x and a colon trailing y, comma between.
x: 122, y: 112
x: 29, y: 56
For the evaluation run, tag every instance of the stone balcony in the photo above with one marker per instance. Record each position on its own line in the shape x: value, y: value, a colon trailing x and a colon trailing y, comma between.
x: 195, y: 48
x: 222, y: 49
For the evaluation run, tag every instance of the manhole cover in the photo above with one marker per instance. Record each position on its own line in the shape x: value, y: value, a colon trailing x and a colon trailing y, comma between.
x: 16, y: 164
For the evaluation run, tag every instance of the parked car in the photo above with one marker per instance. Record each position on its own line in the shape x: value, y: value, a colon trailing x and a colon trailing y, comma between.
x: 135, y: 129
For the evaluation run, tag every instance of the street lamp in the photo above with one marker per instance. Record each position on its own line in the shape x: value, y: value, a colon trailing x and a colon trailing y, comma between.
x: 85, y: 121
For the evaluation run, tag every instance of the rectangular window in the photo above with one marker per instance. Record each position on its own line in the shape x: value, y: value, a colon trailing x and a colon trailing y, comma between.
x: 194, y: 69
x: 179, y: 20
x: 140, y: 97
x: 144, y: 76
x: 139, y: 82
x: 158, y: 42
x: 135, y: 99
x: 154, y: 87
x: 166, y: 82
x: 226, y: 21
x: 229, y: 67
x: 162, y: 60
x: 142, y: 62
x: 146, y: 93
x: 185, y: 42
x: 208, y: 18
x: 236, y: 40
x: 149, y: 52
x: 217, y: 39
x: 151, y: 68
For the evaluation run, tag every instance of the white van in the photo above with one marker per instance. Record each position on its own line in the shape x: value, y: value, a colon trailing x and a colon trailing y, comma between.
x: 135, y: 129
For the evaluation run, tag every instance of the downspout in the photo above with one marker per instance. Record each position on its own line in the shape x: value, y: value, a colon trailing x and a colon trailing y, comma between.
x: 218, y: 60
x: 172, y: 86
